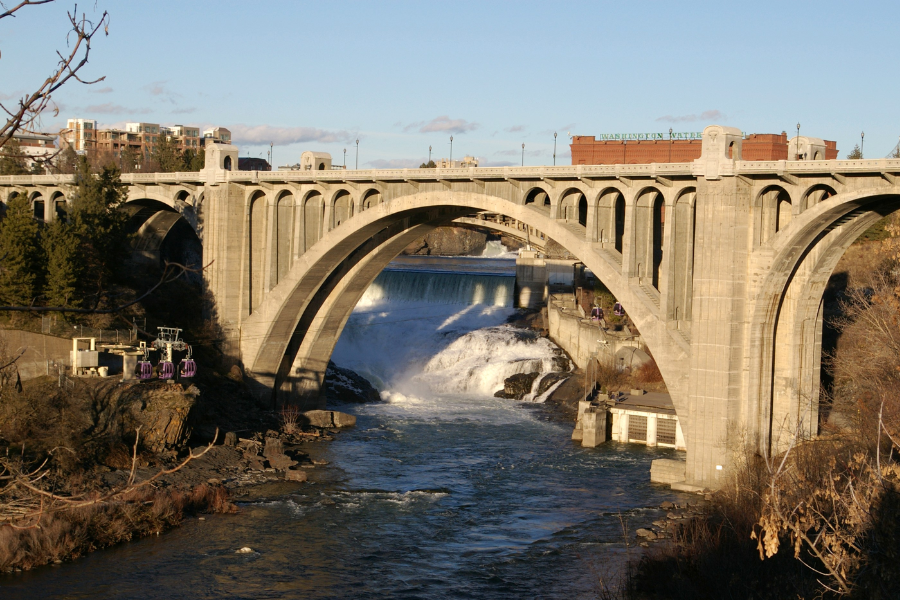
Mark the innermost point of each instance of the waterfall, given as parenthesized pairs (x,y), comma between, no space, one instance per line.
(431,327)
(439,288)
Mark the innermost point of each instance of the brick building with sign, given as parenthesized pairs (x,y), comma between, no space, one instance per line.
(681,148)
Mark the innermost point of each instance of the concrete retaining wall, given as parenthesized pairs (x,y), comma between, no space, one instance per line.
(39,349)
(580,337)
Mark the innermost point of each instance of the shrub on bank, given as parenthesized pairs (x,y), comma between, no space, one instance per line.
(69,534)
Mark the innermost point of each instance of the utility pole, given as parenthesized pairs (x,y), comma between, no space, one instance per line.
(271,155)
(670,144)
(554,148)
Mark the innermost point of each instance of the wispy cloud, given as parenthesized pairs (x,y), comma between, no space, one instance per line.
(185,110)
(103,90)
(443,124)
(157,88)
(264,134)
(16,94)
(396,163)
(514,129)
(115,109)
(706,115)
(561,130)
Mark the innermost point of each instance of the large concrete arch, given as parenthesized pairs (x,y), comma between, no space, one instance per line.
(786,313)
(270,334)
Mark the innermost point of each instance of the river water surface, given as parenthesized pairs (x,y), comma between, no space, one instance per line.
(441,490)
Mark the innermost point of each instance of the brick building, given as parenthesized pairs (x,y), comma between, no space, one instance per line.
(587,150)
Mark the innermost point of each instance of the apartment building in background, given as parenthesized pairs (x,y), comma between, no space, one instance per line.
(80,135)
(83,135)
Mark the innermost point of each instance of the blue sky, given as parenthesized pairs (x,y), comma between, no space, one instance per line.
(400,76)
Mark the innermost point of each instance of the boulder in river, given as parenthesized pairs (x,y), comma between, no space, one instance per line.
(329,418)
(515,387)
(345,385)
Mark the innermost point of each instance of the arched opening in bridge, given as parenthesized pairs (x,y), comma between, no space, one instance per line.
(313,218)
(682,264)
(774,212)
(284,236)
(649,220)
(816,194)
(227,163)
(37,206)
(321,166)
(369,199)
(620,223)
(610,216)
(538,199)
(343,207)
(256,240)
(159,233)
(573,207)
(59,208)
(789,318)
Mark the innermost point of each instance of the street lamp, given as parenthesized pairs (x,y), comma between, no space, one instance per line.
(797,148)
(356,168)
(429,154)
(670,144)
(451,151)
(554,148)
(862,141)
(345,159)
(271,154)
(523,154)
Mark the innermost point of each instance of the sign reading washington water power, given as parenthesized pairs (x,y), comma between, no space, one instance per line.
(690,135)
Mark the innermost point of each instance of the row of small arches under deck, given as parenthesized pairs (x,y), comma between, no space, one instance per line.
(297,223)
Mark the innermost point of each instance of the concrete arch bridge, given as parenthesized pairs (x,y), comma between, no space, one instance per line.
(721,263)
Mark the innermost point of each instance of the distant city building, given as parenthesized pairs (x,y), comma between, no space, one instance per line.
(249,163)
(587,150)
(217,135)
(445,163)
(36,146)
(83,135)
(79,134)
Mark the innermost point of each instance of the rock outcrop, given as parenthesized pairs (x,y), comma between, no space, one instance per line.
(345,385)
(450,241)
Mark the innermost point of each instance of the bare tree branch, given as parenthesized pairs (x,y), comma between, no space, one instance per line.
(31,106)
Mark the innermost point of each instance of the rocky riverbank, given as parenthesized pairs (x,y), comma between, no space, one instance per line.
(101,485)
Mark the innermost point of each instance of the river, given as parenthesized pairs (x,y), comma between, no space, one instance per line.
(441,490)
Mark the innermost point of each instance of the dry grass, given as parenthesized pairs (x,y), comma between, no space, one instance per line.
(70,534)
(289,416)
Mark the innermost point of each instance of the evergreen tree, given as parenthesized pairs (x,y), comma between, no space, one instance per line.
(855,154)
(19,254)
(166,156)
(62,249)
(194,161)
(130,158)
(97,222)
(12,162)
(67,161)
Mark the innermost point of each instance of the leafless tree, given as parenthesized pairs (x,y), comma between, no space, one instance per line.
(30,106)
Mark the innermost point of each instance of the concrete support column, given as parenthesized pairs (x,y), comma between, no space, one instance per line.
(717,341)
(591,224)
(651,429)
